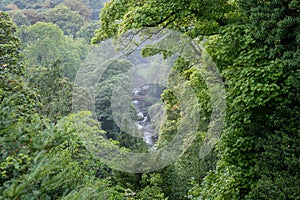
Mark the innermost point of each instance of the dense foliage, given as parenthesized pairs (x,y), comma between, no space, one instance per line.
(257,50)
(42,159)
(259,145)
(43,44)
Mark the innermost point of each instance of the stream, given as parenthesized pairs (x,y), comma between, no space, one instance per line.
(146,100)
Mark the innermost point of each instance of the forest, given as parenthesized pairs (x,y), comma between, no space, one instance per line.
(150,100)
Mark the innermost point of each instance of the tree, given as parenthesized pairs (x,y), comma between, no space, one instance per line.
(81,7)
(10,56)
(69,21)
(14,94)
(30,4)
(263,105)
(87,31)
(194,17)
(96,6)
(40,159)
(56,164)
(19,18)
(45,43)
(18,104)
(33,16)
(116,19)
(55,91)
(256,49)
(108,83)
(42,43)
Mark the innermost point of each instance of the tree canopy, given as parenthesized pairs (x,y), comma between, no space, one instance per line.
(255,45)
(46,57)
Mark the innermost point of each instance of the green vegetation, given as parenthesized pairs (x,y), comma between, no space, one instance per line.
(43,44)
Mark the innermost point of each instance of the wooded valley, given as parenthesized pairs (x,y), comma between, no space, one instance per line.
(67,126)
